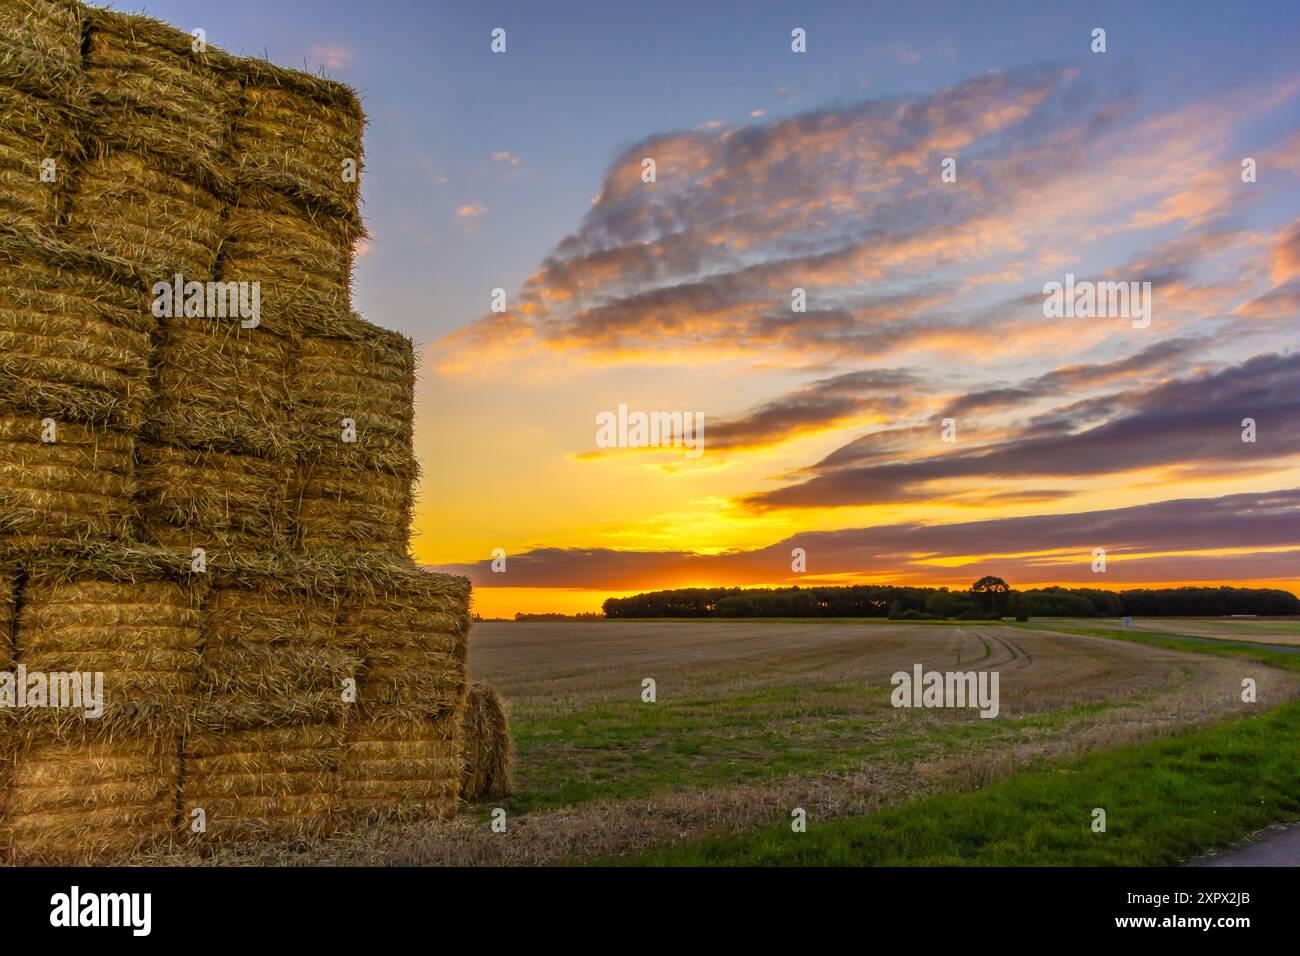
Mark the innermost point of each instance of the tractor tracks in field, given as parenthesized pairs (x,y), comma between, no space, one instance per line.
(1000,650)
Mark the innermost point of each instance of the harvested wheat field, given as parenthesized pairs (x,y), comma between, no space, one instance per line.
(754,718)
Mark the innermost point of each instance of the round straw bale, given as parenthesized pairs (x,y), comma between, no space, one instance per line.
(303,261)
(74,337)
(78,486)
(340,502)
(296,131)
(214,500)
(40,45)
(273,656)
(415,644)
(400,769)
(126,205)
(148,81)
(277,783)
(368,377)
(139,629)
(222,386)
(486,747)
(89,801)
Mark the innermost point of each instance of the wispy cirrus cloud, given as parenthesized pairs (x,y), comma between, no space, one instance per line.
(1180,423)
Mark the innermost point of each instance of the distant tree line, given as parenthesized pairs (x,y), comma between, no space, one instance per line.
(989,597)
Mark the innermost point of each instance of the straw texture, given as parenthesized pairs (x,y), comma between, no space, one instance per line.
(81,801)
(77,487)
(212,500)
(142,635)
(401,769)
(268,783)
(74,338)
(487,750)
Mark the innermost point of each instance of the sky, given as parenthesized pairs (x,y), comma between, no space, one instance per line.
(923,419)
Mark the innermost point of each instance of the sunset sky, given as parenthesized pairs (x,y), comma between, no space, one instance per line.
(821,171)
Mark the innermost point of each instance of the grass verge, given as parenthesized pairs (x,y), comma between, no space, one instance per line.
(1220,647)
(1165,802)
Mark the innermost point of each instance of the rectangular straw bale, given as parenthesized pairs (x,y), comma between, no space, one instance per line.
(302,259)
(414,636)
(340,501)
(40,45)
(295,131)
(401,769)
(90,800)
(77,487)
(275,782)
(152,90)
(196,498)
(222,386)
(35,132)
(129,205)
(273,656)
(74,333)
(142,635)
(368,376)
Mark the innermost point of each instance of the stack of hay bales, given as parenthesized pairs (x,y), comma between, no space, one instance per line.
(212,515)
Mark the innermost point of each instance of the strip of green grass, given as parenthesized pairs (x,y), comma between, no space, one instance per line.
(1165,802)
(1282,659)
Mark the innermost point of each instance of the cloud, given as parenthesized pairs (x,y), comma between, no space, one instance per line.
(1183,423)
(331,57)
(848,205)
(1140,366)
(1286,255)
(1233,537)
(469,216)
(822,404)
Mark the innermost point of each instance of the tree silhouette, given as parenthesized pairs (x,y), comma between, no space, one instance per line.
(993,587)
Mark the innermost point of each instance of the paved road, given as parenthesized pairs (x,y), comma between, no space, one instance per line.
(1277,846)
